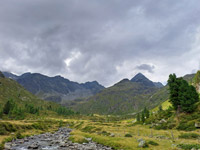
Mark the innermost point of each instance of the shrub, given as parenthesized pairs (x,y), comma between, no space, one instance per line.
(189,136)
(6,127)
(60,123)
(128,135)
(3,131)
(186,126)
(40,126)
(105,133)
(189,146)
(19,135)
(153,143)
(88,129)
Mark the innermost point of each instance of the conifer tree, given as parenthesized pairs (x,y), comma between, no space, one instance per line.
(7,107)
(182,95)
(138,117)
(143,117)
(160,109)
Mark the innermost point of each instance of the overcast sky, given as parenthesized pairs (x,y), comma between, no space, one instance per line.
(103,40)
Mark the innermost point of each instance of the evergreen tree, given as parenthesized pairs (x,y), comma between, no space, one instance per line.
(182,95)
(160,109)
(1,113)
(8,106)
(146,112)
(143,117)
(138,117)
(174,84)
(188,100)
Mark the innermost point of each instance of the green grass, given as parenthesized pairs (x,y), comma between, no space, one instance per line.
(165,105)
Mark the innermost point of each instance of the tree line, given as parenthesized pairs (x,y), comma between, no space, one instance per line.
(16,111)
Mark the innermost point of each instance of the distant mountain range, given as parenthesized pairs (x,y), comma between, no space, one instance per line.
(126,96)
(57,89)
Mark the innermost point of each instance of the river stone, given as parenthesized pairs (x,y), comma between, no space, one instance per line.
(53,141)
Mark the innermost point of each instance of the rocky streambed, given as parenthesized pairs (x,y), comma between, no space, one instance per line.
(53,141)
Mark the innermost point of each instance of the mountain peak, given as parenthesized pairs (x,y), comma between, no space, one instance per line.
(140,78)
(139,75)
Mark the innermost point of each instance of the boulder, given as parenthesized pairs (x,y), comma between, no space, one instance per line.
(142,143)
(33,146)
(7,146)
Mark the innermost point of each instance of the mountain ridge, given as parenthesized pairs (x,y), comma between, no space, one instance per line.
(57,88)
(126,96)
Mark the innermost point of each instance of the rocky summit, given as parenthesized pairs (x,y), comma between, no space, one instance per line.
(53,141)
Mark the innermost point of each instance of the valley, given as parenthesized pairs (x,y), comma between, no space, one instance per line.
(33,123)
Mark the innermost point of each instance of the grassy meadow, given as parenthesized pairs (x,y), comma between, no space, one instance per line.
(117,134)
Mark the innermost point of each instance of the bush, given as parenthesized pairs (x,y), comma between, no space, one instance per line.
(128,135)
(6,127)
(189,136)
(153,143)
(88,129)
(19,135)
(189,146)
(105,133)
(164,126)
(186,126)
(40,126)
(3,131)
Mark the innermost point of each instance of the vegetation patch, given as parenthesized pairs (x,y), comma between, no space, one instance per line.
(128,135)
(189,136)
(89,129)
(188,146)
(153,143)
(105,133)
(186,126)
(78,139)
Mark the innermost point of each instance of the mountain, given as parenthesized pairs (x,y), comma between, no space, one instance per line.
(126,96)
(140,78)
(158,84)
(24,102)
(10,75)
(57,89)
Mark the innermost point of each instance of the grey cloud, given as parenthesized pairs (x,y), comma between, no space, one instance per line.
(98,37)
(146,67)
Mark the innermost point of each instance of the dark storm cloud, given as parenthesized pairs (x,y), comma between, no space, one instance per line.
(99,39)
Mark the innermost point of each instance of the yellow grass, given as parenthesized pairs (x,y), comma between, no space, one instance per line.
(165,105)
(119,129)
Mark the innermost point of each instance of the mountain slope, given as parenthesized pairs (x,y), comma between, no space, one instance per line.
(11,90)
(57,89)
(127,96)
(163,93)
